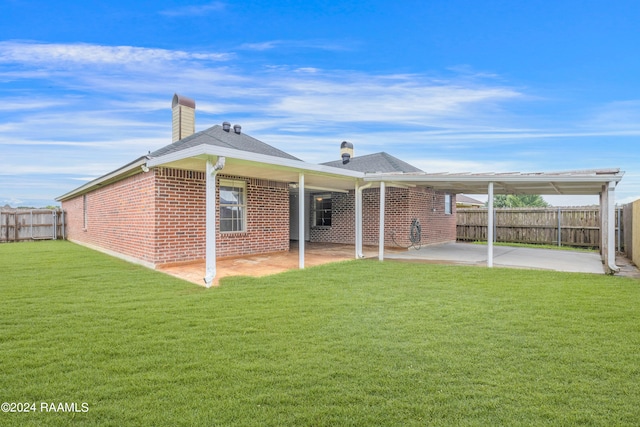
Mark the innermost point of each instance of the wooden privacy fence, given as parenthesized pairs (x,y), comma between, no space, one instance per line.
(631,227)
(31,224)
(565,226)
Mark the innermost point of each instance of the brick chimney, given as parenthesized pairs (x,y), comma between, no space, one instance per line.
(183,117)
(346,151)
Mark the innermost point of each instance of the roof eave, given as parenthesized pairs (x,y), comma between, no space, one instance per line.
(542,177)
(203,151)
(118,174)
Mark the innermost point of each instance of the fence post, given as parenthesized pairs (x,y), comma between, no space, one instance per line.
(559,227)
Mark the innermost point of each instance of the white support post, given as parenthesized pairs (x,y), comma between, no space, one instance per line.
(490,227)
(359,218)
(210,224)
(301,222)
(358,221)
(610,226)
(381,230)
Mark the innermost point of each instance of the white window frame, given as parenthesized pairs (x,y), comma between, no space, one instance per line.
(85,213)
(322,196)
(448,206)
(233,213)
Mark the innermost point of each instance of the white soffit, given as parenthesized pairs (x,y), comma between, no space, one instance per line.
(571,182)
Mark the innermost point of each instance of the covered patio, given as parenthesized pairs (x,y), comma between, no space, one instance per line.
(446,253)
(267,264)
(304,177)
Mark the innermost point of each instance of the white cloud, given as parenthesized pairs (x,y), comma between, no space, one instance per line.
(120,108)
(620,117)
(194,10)
(296,44)
(55,54)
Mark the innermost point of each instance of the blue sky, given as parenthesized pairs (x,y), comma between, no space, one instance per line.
(447,85)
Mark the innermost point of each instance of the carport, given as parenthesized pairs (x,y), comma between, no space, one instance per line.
(305,177)
(587,182)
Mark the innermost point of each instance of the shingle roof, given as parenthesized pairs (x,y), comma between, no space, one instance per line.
(375,163)
(462,198)
(216,136)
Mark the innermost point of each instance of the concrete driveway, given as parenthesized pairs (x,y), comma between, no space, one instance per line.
(504,256)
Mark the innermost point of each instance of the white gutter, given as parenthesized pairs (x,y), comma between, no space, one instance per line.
(507,178)
(608,237)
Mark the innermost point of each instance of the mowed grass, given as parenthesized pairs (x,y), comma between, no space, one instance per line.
(355,343)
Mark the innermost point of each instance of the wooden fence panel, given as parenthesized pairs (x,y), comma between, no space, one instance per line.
(549,226)
(635,238)
(31,224)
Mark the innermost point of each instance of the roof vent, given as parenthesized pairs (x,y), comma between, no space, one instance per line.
(226,126)
(237,129)
(346,151)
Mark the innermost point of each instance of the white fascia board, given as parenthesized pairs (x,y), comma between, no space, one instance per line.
(126,170)
(503,178)
(208,150)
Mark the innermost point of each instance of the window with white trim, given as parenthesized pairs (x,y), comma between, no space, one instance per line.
(322,210)
(447,204)
(233,206)
(85,217)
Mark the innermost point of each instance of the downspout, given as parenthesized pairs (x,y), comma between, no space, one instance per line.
(54,219)
(610,257)
(490,227)
(63,219)
(359,190)
(210,223)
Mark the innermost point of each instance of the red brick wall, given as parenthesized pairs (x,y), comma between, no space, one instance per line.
(180,215)
(120,217)
(401,207)
(267,220)
(159,217)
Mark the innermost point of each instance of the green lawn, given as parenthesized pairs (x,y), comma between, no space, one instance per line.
(357,343)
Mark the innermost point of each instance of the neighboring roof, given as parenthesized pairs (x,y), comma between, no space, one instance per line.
(375,163)
(216,136)
(466,200)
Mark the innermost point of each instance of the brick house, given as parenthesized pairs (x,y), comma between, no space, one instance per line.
(222,193)
(154,210)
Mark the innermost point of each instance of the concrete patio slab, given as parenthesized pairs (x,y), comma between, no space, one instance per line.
(446,253)
(506,256)
(266,264)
